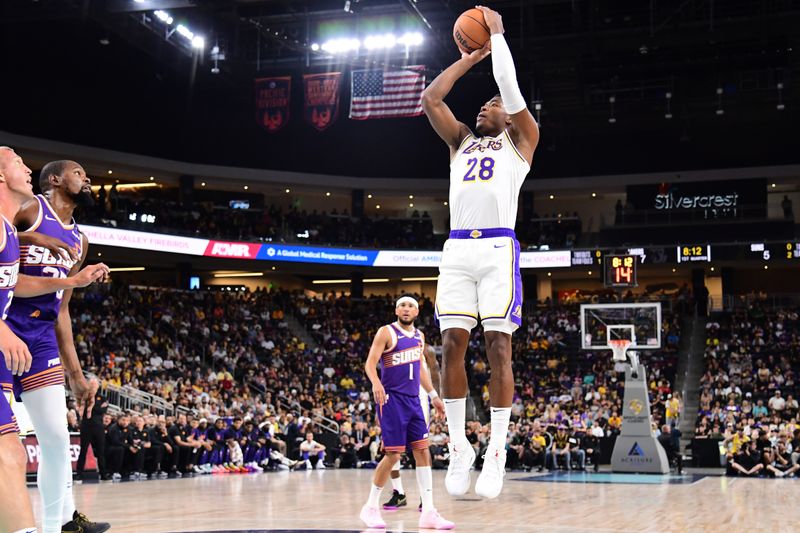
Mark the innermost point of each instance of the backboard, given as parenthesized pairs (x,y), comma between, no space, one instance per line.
(643,319)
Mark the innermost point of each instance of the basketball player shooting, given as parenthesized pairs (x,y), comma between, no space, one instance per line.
(398,347)
(479,273)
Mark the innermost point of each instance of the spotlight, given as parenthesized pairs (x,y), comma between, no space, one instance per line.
(163,16)
(315,47)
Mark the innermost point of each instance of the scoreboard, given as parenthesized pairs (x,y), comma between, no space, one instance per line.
(620,271)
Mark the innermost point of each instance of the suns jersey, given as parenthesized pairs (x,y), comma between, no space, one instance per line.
(9,266)
(400,364)
(38,261)
(486,174)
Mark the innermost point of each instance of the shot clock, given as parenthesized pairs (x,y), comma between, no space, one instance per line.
(620,271)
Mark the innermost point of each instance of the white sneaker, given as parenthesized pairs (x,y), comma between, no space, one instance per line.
(321,465)
(490,481)
(457,480)
(308,465)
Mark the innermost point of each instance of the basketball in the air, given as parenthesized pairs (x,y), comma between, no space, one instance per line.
(470,31)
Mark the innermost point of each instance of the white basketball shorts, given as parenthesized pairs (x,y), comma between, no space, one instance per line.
(479,279)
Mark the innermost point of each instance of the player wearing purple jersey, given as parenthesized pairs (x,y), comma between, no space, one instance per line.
(15,187)
(45,324)
(399,347)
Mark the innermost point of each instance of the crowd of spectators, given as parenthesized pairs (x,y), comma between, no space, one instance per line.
(749,390)
(230,360)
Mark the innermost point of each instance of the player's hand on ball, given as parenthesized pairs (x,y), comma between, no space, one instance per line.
(438,405)
(478,55)
(492,19)
(379,394)
(90,274)
(16,353)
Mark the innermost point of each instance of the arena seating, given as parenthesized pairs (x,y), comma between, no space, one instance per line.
(749,387)
(229,354)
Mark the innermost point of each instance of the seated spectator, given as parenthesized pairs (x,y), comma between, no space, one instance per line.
(310,448)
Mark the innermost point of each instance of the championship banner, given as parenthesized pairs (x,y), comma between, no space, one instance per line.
(272,102)
(321,99)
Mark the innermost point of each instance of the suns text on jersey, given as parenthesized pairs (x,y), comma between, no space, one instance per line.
(42,256)
(407,356)
(9,275)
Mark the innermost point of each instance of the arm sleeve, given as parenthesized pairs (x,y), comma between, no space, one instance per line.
(505,75)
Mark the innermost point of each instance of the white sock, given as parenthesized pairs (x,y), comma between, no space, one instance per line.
(48,412)
(374,496)
(425,482)
(397,482)
(68,508)
(501,416)
(456,411)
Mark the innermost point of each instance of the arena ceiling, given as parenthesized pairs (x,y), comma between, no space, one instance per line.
(105,73)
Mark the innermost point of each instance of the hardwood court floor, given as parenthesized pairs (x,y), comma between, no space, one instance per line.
(330,500)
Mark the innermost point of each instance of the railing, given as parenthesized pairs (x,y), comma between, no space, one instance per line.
(645,217)
(734,302)
(326,423)
(124,398)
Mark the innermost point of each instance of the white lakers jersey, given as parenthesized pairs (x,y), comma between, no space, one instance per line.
(486,174)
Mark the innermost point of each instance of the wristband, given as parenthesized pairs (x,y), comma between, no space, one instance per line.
(433,394)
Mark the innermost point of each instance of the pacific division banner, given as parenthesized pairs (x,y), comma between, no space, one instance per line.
(272,102)
(321,99)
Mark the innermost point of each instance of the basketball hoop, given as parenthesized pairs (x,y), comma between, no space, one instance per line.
(619,347)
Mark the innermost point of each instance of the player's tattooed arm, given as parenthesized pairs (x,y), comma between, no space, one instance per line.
(380,343)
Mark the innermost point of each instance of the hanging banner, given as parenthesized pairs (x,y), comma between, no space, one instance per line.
(321,99)
(272,102)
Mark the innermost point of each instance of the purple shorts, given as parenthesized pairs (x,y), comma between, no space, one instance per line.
(40,336)
(402,423)
(8,422)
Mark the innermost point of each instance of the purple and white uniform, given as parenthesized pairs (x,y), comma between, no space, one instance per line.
(33,319)
(9,272)
(402,421)
(479,275)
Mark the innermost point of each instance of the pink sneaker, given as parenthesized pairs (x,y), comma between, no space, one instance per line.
(372,517)
(433,520)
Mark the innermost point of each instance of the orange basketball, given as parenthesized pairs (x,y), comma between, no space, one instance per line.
(470,31)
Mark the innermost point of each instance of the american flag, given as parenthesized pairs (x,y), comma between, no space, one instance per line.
(387,93)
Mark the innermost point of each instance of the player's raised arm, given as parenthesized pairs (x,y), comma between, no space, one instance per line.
(441,118)
(381,341)
(524,130)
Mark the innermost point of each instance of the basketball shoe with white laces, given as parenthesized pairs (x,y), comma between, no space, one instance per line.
(490,480)
(433,520)
(372,517)
(457,480)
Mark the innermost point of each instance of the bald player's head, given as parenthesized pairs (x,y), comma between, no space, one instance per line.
(69,179)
